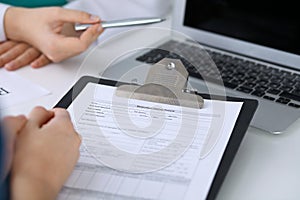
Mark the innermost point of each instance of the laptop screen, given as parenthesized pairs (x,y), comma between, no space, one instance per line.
(270,23)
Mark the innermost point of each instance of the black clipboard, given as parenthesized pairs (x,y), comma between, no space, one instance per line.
(243,121)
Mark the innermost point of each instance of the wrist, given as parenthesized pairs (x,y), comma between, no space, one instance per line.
(13,23)
(31,188)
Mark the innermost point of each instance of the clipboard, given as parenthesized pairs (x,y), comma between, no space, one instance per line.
(243,121)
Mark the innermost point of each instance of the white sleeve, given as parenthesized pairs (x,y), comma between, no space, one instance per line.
(120,9)
(3,8)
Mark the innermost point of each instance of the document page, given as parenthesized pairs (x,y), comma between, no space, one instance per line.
(134,149)
(14,89)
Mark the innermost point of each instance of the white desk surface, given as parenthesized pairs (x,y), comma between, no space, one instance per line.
(265,167)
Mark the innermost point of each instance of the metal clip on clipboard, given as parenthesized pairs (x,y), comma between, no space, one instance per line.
(165,83)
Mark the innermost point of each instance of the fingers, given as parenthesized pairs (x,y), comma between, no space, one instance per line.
(62,116)
(61,113)
(75,45)
(13,53)
(68,15)
(16,55)
(4,46)
(41,61)
(24,59)
(39,116)
(91,34)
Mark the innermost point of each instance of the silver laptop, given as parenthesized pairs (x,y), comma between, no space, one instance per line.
(254,44)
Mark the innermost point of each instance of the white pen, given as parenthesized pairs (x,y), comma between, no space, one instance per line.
(120,23)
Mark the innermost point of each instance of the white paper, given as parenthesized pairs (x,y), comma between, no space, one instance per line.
(14,89)
(99,174)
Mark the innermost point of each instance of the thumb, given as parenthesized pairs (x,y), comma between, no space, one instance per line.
(62,116)
(68,15)
(91,34)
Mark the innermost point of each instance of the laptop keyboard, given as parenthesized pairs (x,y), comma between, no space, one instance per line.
(242,75)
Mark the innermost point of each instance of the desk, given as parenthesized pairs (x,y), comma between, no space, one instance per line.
(265,167)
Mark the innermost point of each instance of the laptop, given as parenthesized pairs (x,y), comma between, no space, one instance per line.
(254,44)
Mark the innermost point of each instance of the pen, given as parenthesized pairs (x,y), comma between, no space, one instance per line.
(121,23)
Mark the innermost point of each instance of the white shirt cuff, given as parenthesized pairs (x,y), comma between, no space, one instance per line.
(3,8)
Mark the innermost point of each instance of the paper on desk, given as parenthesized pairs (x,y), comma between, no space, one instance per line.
(14,89)
(188,177)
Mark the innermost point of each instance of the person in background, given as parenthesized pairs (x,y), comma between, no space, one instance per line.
(20,25)
(38,152)
(15,54)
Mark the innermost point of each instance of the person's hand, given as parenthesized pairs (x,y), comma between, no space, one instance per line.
(41,27)
(14,55)
(46,150)
(13,125)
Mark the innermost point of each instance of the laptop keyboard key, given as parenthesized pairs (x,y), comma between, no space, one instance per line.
(296,92)
(283,100)
(286,88)
(294,105)
(262,82)
(289,76)
(274,85)
(269,98)
(249,85)
(251,79)
(258,93)
(244,89)
(230,85)
(261,88)
(287,82)
(273,91)
(290,96)
(297,78)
